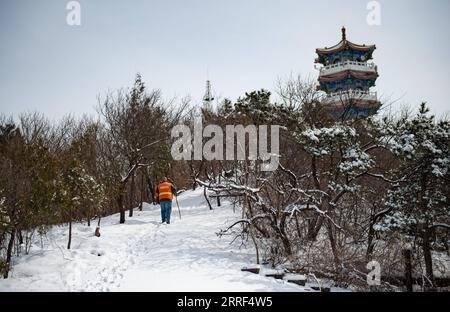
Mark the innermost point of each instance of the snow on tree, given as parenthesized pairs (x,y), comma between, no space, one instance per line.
(78,191)
(418,203)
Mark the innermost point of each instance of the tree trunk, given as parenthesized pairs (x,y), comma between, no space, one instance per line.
(427,255)
(121,208)
(70,232)
(207,199)
(9,252)
(218,200)
(332,238)
(152,190)
(131,203)
(218,197)
(315,227)
(281,234)
(20,237)
(408,270)
(141,204)
(370,244)
(297,226)
(256,245)
(286,245)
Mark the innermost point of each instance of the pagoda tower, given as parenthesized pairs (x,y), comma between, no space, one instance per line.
(346,77)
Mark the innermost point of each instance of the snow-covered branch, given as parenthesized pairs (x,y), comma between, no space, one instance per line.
(132,170)
(149,145)
(442,225)
(247,221)
(382,177)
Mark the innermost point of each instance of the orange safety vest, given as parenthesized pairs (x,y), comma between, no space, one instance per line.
(164,191)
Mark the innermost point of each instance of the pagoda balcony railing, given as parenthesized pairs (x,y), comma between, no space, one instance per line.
(343,96)
(348,65)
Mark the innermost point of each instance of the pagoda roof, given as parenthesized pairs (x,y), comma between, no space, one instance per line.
(353,73)
(345,44)
(355,103)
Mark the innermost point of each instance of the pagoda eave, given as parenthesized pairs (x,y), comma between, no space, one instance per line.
(352,103)
(352,109)
(345,44)
(349,73)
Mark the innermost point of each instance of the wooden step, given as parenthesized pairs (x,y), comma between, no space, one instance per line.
(298,279)
(254,270)
(323,289)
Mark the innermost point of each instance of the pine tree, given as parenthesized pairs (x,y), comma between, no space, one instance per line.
(419,202)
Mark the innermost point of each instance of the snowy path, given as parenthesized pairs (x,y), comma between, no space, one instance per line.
(187,255)
(143,255)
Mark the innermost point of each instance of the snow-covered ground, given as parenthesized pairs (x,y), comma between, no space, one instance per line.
(144,255)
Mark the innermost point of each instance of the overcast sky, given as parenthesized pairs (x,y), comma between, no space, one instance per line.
(49,66)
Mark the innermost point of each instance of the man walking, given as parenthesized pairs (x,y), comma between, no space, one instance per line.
(164,195)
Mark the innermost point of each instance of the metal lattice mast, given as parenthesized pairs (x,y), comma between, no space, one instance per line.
(208,98)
